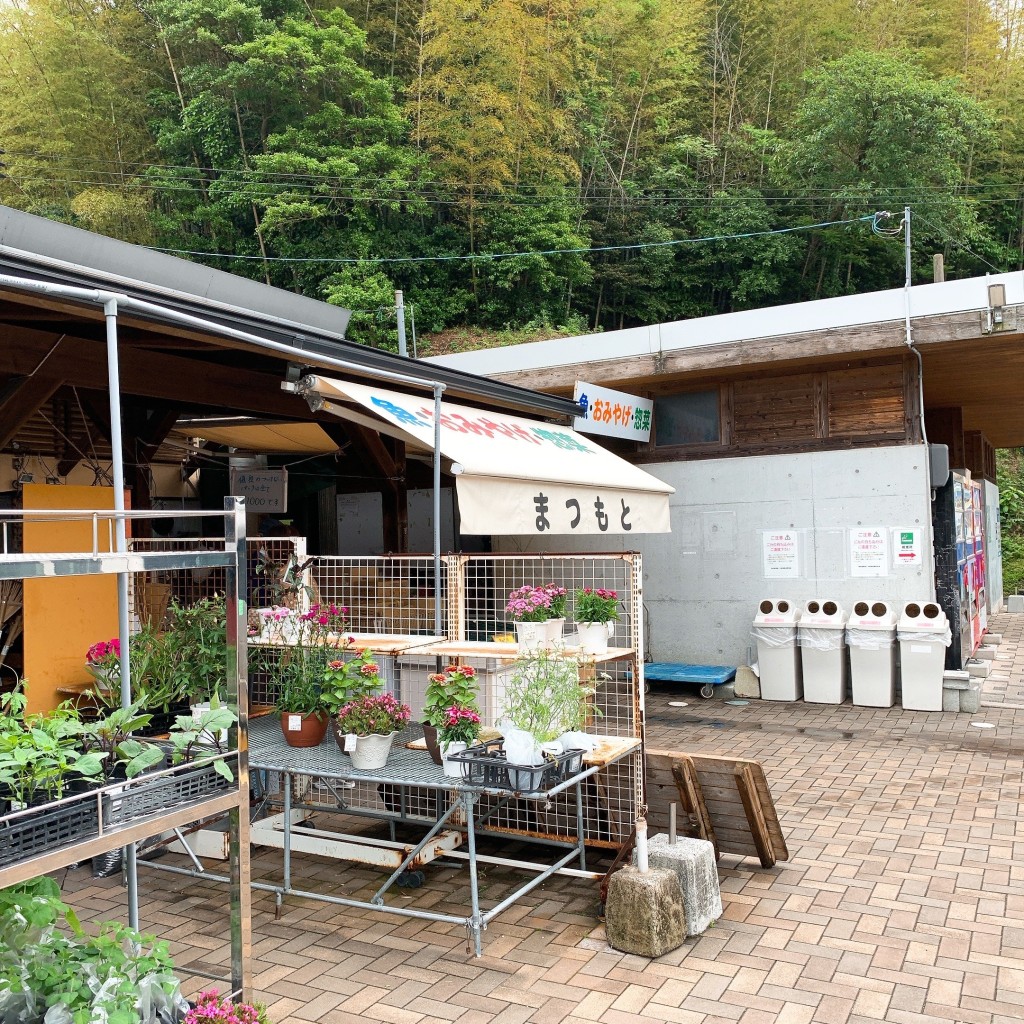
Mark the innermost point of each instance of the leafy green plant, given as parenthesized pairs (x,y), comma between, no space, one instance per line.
(91,978)
(198,646)
(192,736)
(38,755)
(544,696)
(348,681)
(110,738)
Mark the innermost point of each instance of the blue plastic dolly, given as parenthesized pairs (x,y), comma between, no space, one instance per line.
(706,676)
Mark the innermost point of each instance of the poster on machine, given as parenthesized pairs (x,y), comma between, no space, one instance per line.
(869,551)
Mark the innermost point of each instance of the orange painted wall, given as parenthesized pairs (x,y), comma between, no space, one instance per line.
(63,617)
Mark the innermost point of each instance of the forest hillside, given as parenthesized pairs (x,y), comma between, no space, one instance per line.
(522,166)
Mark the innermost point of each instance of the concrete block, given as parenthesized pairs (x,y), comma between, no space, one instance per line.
(644,913)
(979,668)
(1015,604)
(693,861)
(746,683)
(985,653)
(994,638)
(950,699)
(953,679)
(970,699)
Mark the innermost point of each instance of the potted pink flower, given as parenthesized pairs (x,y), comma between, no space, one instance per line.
(366,727)
(529,608)
(213,1008)
(460,727)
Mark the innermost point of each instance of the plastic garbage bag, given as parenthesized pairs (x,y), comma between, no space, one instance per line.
(160,999)
(816,638)
(577,741)
(774,636)
(520,747)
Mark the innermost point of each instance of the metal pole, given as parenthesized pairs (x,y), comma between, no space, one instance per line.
(121,544)
(412,325)
(238,697)
(400,310)
(438,389)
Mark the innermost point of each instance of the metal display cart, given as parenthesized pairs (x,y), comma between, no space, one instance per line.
(460,814)
(122,815)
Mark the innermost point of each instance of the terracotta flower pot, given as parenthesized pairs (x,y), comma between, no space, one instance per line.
(304,730)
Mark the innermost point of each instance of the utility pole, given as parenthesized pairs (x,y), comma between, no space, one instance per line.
(400,310)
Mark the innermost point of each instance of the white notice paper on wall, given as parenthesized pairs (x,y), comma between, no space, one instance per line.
(780,554)
(869,551)
(906,547)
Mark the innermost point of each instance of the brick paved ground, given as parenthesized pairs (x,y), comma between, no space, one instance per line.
(903,900)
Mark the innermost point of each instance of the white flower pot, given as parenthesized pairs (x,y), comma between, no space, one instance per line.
(553,631)
(593,637)
(453,769)
(531,636)
(371,751)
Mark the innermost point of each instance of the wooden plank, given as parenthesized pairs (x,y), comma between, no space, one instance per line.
(689,791)
(755,816)
(721,800)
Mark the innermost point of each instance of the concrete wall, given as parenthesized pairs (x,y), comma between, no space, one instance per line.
(702,582)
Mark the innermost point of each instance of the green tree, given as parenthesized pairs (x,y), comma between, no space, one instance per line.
(72,116)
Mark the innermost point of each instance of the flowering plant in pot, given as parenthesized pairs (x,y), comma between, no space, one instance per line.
(595,610)
(213,1008)
(460,727)
(347,681)
(529,607)
(455,686)
(367,726)
(556,611)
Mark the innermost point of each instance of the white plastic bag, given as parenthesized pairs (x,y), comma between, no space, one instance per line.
(520,747)
(577,741)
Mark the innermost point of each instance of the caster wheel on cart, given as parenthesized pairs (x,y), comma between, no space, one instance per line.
(707,690)
(410,879)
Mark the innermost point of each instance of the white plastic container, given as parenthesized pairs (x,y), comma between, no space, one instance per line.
(923,633)
(778,657)
(821,636)
(871,638)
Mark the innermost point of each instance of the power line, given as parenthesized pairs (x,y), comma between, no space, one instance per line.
(873,217)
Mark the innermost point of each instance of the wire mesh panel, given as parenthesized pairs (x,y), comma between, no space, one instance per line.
(389,595)
(267,560)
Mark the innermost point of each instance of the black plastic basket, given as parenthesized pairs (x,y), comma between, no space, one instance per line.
(144,796)
(47,827)
(487,766)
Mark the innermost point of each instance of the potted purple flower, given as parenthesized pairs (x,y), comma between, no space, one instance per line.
(529,608)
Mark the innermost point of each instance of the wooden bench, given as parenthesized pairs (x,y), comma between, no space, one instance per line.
(724,800)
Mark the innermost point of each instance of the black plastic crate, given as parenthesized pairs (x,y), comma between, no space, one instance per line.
(144,796)
(47,828)
(487,766)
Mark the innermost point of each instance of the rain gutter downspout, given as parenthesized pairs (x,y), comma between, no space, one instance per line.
(909,334)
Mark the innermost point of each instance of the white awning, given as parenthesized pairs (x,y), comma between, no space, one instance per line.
(513,475)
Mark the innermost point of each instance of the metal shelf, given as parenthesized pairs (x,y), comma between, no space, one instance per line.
(233,801)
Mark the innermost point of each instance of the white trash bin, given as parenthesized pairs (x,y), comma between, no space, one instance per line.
(822,639)
(871,637)
(778,657)
(923,633)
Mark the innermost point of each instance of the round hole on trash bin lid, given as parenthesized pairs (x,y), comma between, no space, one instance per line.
(931,611)
(983,725)
(783,606)
(678,704)
(766,607)
(860,608)
(829,608)
(812,607)
(913,610)
(878,609)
